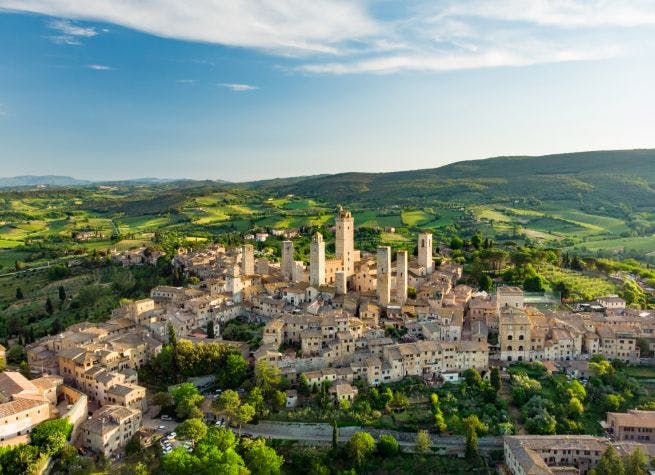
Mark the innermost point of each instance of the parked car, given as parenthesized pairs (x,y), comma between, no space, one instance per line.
(165,417)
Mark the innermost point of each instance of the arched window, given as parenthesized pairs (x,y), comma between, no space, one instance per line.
(509,337)
(520,337)
(509,348)
(520,348)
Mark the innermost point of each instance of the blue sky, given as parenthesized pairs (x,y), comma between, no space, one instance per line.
(103,89)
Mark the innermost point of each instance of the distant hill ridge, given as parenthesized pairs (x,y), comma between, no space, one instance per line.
(598,179)
(620,176)
(59,180)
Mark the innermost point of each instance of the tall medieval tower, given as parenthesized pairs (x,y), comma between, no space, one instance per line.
(317,260)
(384,275)
(425,252)
(287,260)
(345,240)
(247,259)
(401,276)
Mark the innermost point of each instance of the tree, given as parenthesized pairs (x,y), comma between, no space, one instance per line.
(278,400)
(476,240)
(485,282)
(613,402)
(495,379)
(576,390)
(360,446)
(49,308)
(303,385)
(19,460)
(636,463)
(472,425)
(267,376)
(609,464)
(439,421)
(163,399)
(575,408)
(335,434)
(16,354)
(422,442)
(233,372)
(227,403)
(19,293)
(140,469)
(51,436)
(210,329)
(473,378)
(133,446)
(534,283)
(456,243)
(388,445)
(192,429)
(62,293)
(244,414)
(411,292)
(542,424)
(186,398)
(260,458)
(256,399)
(400,401)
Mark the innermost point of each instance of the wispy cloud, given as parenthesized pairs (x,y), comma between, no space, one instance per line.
(3,111)
(354,36)
(70,33)
(292,27)
(188,82)
(99,67)
(238,87)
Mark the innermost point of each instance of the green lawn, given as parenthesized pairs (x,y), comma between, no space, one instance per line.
(644,245)
(373,219)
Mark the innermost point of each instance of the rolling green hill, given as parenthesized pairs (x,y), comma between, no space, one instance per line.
(593,202)
(603,179)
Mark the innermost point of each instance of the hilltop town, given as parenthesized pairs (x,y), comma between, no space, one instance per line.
(357,319)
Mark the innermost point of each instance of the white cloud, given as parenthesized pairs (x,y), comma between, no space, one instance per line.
(69,32)
(451,62)
(189,82)
(346,36)
(563,13)
(238,87)
(99,67)
(3,112)
(283,26)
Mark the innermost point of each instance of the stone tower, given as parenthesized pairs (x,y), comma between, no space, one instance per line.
(345,240)
(384,275)
(287,263)
(317,260)
(248,259)
(425,252)
(401,276)
(340,282)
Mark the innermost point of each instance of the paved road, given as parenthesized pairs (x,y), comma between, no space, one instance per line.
(323,433)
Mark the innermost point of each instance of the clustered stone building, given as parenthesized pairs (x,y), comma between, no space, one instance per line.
(328,321)
(562,454)
(25,403)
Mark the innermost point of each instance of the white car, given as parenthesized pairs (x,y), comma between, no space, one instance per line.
(161,428)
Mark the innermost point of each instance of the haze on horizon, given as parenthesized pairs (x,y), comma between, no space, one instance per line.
(275,88)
